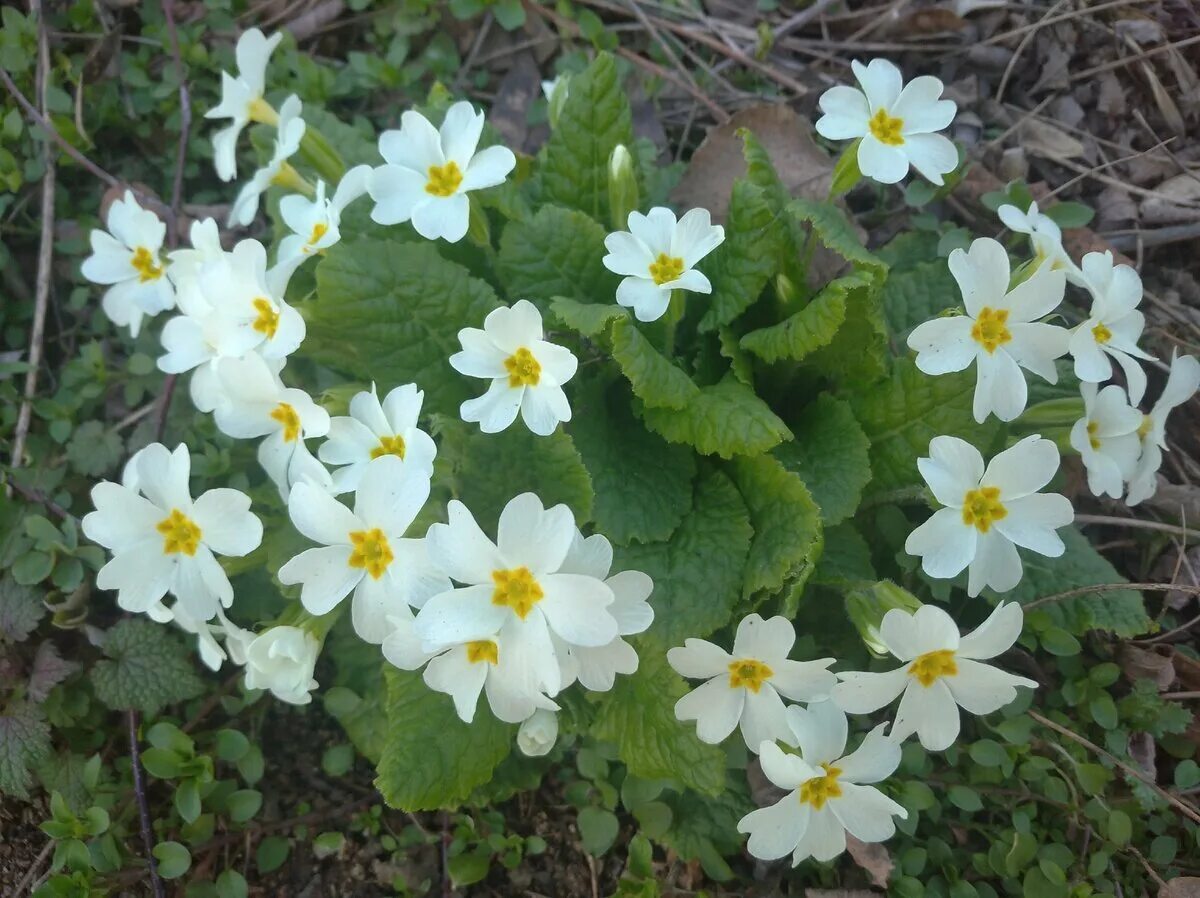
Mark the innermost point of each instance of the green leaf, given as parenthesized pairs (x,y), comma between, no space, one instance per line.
(1119,611)
(904,413)
(598,829)
(24,744)
(638,716)
(807,330)
(787,525)
(20,610)
(726,419)
(32,567)
(836,232)
(593,120)
(147,667)
(1070,215)
(846,173)
(1120,827)
(589,319)
(470,867)
(858,356)
(187,800)
(272,852)
(830,452)
(431,759)
(390,313)
(490,469)
(704,828)
(697,573)
(173,859)
(965,798)
(846,558)
(232,884)
(655,379)
(243,804)
(740,267)
(557,252)
(643,484)
(917,294)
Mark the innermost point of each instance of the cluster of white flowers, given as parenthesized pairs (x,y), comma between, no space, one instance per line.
(830,793)
(521,617)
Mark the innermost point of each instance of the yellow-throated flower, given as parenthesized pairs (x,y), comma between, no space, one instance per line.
(242,98)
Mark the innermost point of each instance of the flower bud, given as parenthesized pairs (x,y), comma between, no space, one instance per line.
(622,186)
(282,659)
(538,733)
(868,605)
(556,92)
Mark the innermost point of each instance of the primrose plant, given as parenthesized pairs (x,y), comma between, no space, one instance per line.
(546,437)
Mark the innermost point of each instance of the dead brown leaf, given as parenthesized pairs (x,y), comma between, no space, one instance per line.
(1181,887)
(1154,664)
(1048,141)
(930,20)
(873,857)
(519,87)
(1174,200)
(841,893)
(1187,669)
(1143,751)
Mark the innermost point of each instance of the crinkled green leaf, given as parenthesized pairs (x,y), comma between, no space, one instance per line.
(787,525)
(147,668)
(490,469)
(741,266)
(49,669)
(638,715)
(725,419)
(431,759)
(594,119)
(643,484)
(741,365)
(846,559)
(391,313)
(557,252)
(830,453)
(587,318)
(1119,611)
(655,379)
(697,573)
(918,294)
(836,232)
(804,331)
(20,610)
(858,355)
(901,415)
(704,828)
(24,743)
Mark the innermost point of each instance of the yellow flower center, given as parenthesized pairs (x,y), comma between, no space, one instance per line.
(291,179)
(267,321)
(666,268)
(1101,333)
(320,229)
(287,417)
(523,369)
(990,328)
(371,551)
(393,445)
(145,265)
(1144,428)
(1092,438)
(927,669)
(887,129)
(261,111)
(180,533)
(444,179)
(748,673)
(983,506)
(483,650)
(820,789)
(517,589)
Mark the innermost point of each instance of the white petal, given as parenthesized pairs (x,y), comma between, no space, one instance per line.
(648,300)
(944,543)
(805,681)
(453,674)
(460,132)
(846,113)
(874,760)
(775,831)
(496,409)
(397,192)
(996,565)
(626,255)
(1036,297)
(1031,522)
(528,665)
(1036,346)
(533,536)
(226,523)
(995,635)
(866,812)
(325,575)
(881,82)
(321,517)
(122,518)
(952,469)
(982,274)
(1023,468)
(764,640)
(695,237)
(715,707)
(783,769)
(655,229)
(764,718)
(489,168)
(824,839)
(390,495)
(930,712)
(820,731)
(458,616)
(699,659)
(932,155)
(444,217)
(575,605)
(461,549)
(929,629)
(881,162)
(376,602)
(944,344)
(141,575)
(919,106)
(543,407)
(1001,388)
(861,692)
(981,688)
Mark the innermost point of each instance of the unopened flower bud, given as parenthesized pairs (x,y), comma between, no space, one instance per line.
(622,186)
(867,607)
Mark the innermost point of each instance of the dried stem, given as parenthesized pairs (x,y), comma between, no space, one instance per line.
(185,124)
(139,789)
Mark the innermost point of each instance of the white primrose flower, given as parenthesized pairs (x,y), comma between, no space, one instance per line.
(894,121)
(427,174)
(255,403)
(1000,331)
(989,512)
(527,373)
(162,541)
(364,550)
(597,667)
(242,98)
(1182,384)
(538,733)
(376,428)
(1114,326)
(1045,237)
(493,666)
(746,689)
(1106,438)
(316,223)
(185,264)
(288,135)
(829,792)
(515,593)
(282,659)
(231,307)
(659,254)
(126,256)
(941,673)
(206,633)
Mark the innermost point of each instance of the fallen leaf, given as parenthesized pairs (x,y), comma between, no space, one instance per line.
(1154,664)
(873,857)
(846,893)
(1048,141)
(966,7)
(519,87)
(931,20)
(1143,752)
(1175,201)
(1181,887)
(1187,669)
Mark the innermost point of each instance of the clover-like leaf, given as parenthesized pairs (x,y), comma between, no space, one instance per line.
(147,667)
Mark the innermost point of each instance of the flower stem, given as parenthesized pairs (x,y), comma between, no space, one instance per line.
(320,154)
(671,321)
